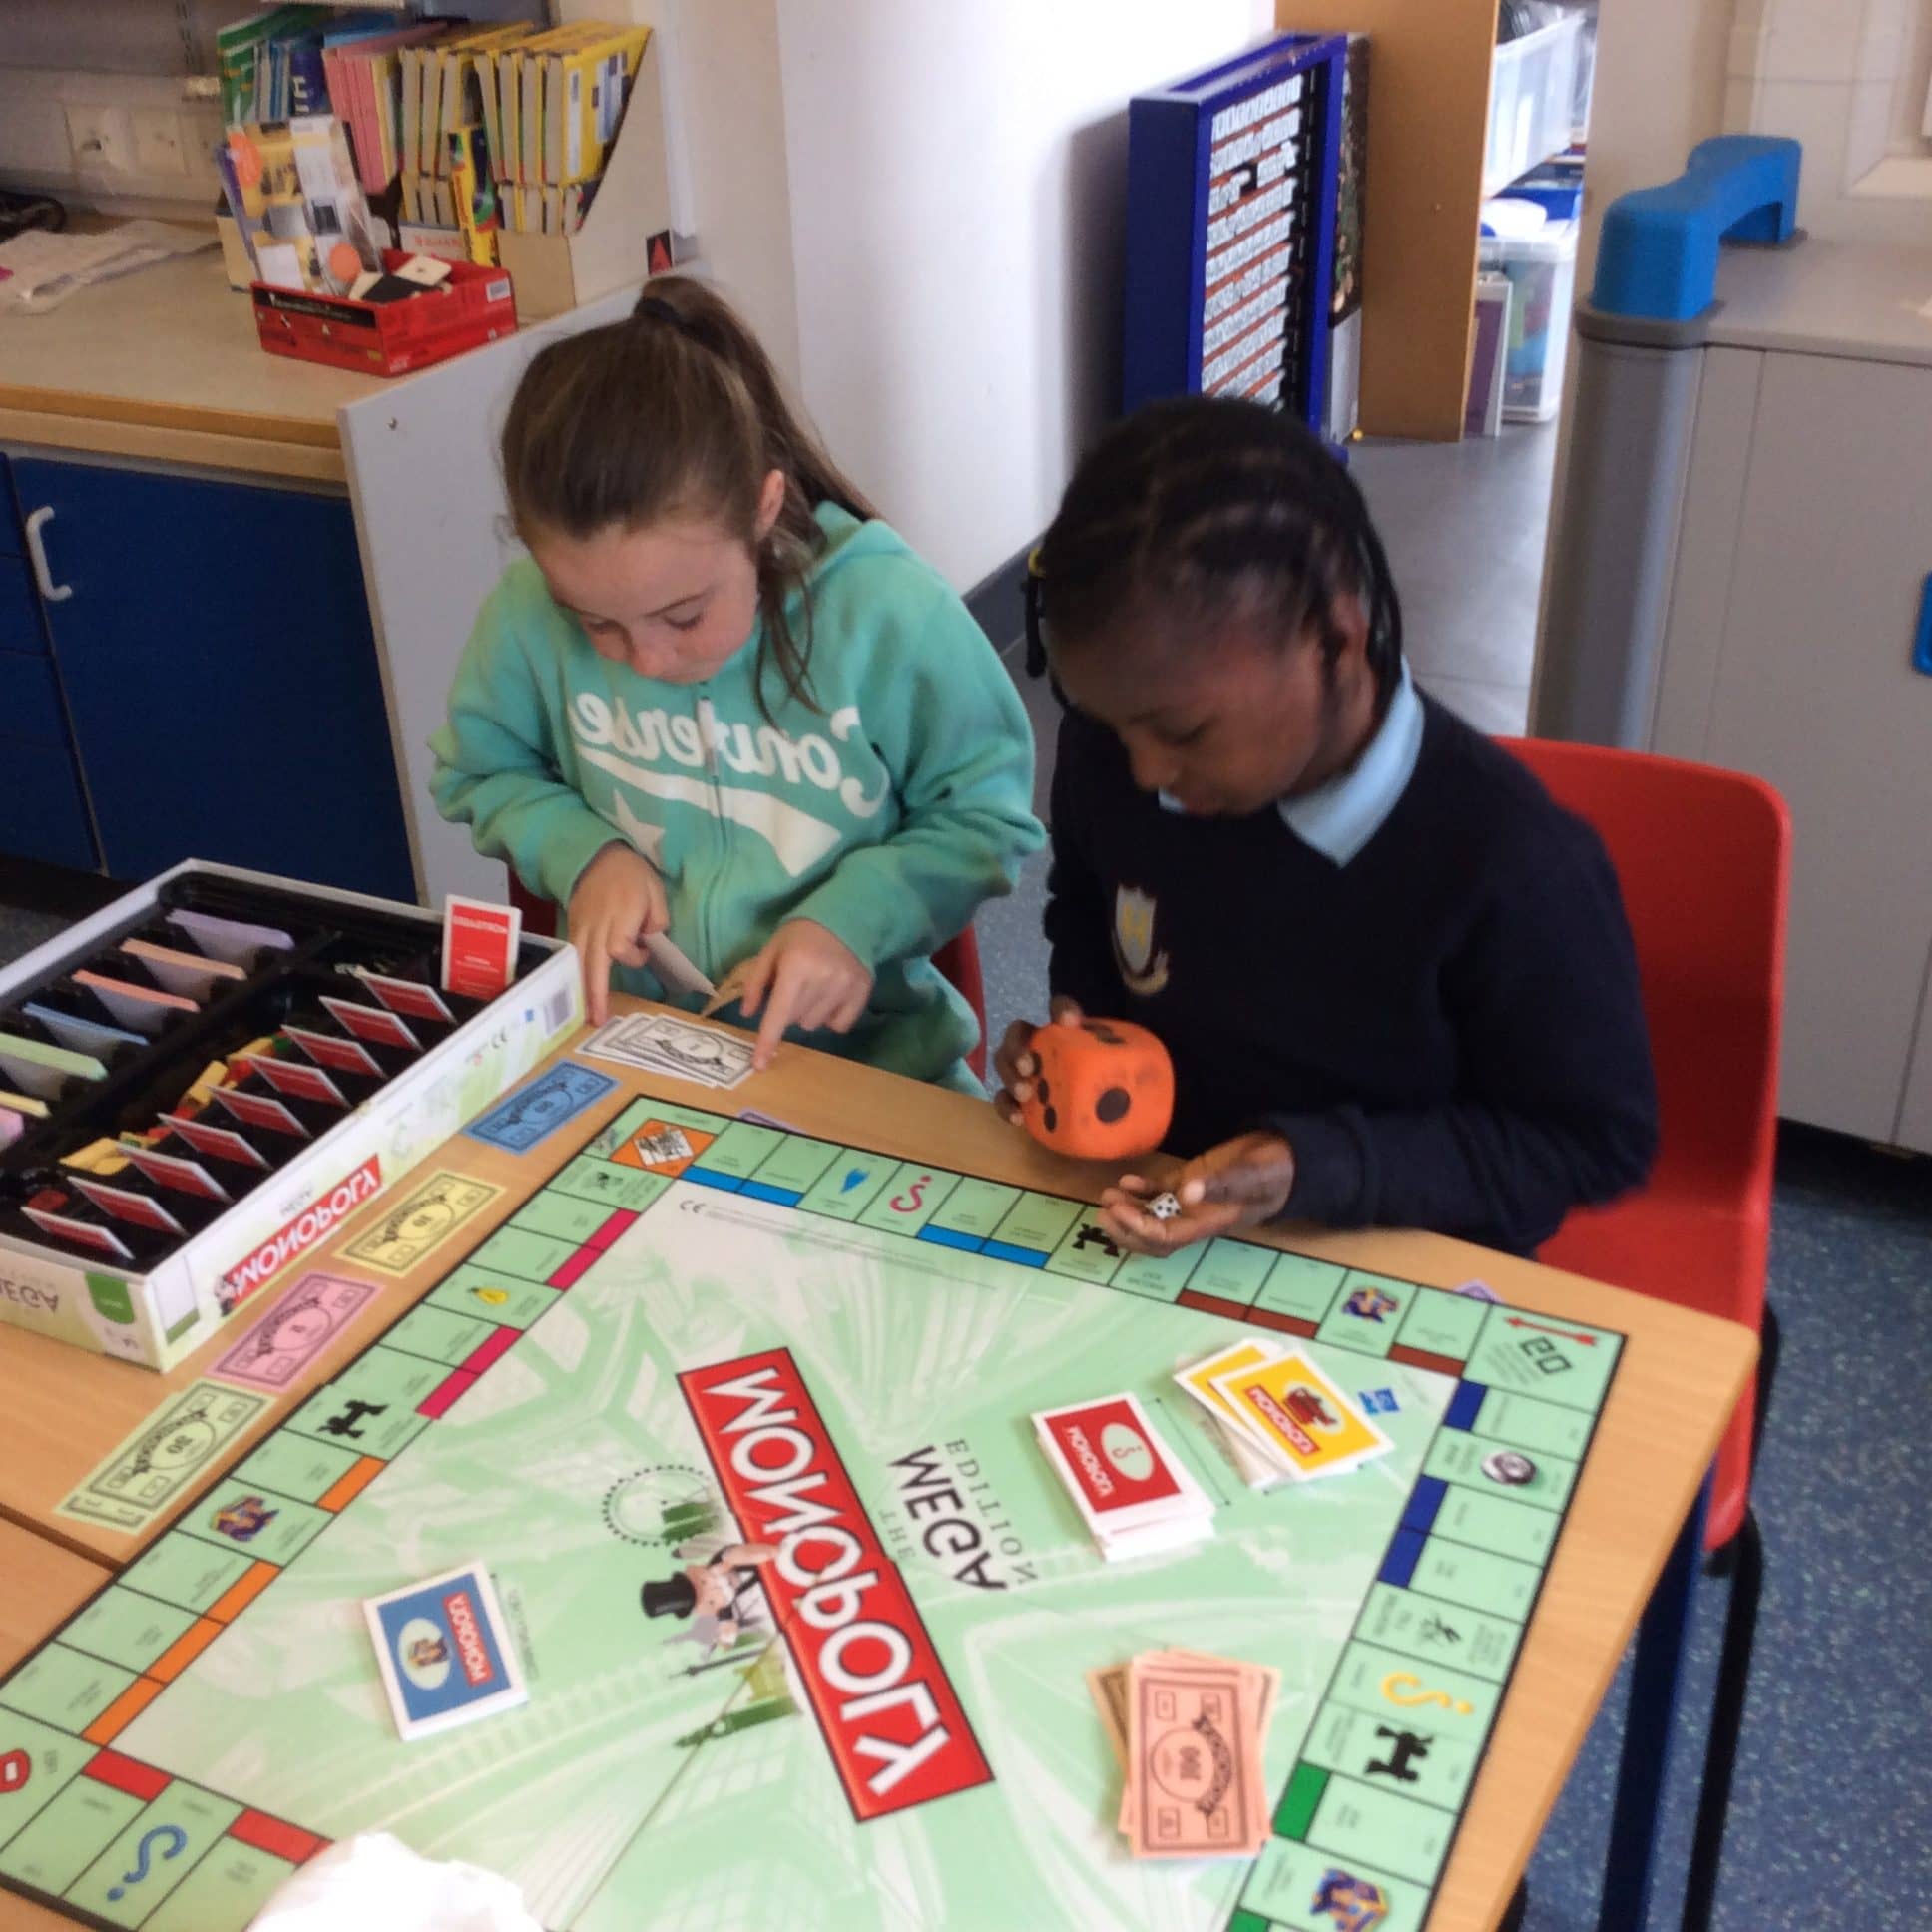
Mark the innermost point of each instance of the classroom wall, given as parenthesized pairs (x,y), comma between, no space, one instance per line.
(1849,79)
(956,176)
(725,132)
(1659,91)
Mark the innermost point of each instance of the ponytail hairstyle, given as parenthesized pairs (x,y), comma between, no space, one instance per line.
(676,411)
(1200,509)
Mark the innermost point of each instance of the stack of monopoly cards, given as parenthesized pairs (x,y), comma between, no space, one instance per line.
(1189,1732)
(444,1653)
(1281,1418)
(1131,1489)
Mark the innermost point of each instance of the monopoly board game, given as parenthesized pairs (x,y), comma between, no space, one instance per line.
(703,1334)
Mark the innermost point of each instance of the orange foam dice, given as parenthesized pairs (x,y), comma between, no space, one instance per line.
(1104,1090)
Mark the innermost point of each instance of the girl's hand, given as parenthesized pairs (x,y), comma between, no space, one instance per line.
(813,979)
(617,902)
(1239,1183)
(1014,1062)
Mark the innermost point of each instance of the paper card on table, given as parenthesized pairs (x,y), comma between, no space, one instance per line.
(340,1056)
(233,940)
(709,1056)
(160,1462)
(521,1119)
(83,1036)
(172,1170)
(409,997)
(293,1332)
(1192,1781)
(1119,1471)
(144,1211)
(375,1024)
(1300,1417)
(189,974)
(259,1110)
(296,1078)
(479,946)
(104,1241)
(145,1008)
(1258,1468)
(1108,1689)
(30,1106)
(444,1651)
(220,1143)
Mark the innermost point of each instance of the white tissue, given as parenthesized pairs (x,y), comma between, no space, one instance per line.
(375,1883)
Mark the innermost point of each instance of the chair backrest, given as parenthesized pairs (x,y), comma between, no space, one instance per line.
(1703,856)
(1703,859)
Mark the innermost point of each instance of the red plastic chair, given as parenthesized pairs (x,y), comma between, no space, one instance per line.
(957,960)
(1703,859)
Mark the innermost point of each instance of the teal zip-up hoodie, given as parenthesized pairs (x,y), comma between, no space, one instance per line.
(887,815)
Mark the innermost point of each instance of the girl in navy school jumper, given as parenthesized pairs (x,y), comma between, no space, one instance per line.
(1395,978)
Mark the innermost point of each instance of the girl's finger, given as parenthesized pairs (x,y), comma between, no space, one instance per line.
(754,981)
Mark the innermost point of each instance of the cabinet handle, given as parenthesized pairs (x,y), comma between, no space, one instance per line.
(54,594)
(1922,642)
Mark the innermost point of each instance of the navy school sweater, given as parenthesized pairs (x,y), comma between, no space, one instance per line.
(1447,1030)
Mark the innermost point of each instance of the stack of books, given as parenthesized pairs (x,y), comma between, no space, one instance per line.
(476,128)
(552,117)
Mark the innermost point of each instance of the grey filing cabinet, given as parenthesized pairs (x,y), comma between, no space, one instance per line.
(1740,576)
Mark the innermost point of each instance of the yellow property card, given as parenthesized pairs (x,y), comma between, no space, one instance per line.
(1302,1420)
(1259,1469)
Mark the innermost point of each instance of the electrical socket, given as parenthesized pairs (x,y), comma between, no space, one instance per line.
(158,148)
(101,139)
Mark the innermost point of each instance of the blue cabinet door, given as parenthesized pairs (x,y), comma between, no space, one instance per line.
(221,675)
(41,812)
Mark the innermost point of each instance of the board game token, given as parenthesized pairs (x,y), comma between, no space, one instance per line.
(1509,1466)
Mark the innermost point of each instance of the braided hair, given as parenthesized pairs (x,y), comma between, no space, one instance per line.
(1201,508)
(677,410)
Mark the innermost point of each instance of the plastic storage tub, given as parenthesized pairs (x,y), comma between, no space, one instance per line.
(1532,100)
(1543,276)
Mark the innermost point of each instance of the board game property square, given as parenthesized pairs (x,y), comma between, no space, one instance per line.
(787,1568)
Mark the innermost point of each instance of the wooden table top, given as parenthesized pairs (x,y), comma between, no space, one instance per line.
(1680,1375)
(166,363)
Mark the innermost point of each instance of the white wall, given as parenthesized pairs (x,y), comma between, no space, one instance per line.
(1659,90)
(956,176)
(1847,78)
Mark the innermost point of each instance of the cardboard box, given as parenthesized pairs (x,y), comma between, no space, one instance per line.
(157,1318)
(474,307)
(627,234)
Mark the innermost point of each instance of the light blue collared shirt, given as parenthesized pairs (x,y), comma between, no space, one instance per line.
(1339,817)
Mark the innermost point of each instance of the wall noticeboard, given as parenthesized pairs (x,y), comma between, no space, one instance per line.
(1231,228)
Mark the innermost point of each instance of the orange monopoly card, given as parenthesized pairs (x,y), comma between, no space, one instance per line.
(1300,1418)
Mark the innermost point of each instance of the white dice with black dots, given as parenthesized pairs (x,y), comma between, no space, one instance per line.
(1165,1206)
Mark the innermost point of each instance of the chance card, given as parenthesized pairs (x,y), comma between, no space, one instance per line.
(443,1652)
(1300,1417)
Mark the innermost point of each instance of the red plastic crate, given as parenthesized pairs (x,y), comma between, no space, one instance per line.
(475,305)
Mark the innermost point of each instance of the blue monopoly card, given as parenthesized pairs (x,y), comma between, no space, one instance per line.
(443,1650)
(520,1120)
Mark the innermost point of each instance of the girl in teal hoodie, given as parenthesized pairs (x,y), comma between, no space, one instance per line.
(719,699)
